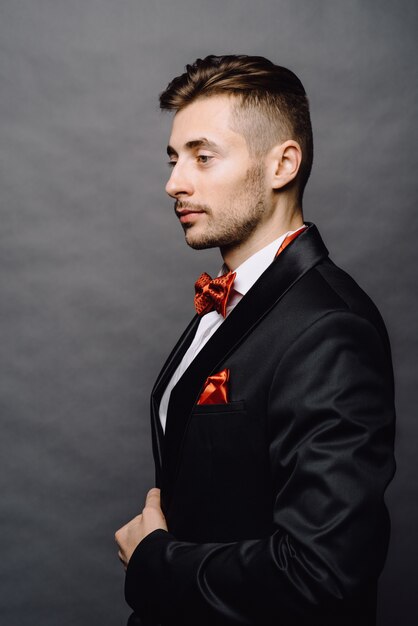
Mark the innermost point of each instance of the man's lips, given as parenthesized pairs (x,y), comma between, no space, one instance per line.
(185,215)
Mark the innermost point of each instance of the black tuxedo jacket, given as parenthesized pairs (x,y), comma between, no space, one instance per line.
(274,501)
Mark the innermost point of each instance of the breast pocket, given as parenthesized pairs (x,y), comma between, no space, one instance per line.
(230,432)
(223,430)
(211,409)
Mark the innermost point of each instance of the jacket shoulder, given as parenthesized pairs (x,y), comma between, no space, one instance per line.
(350,295)
(325,289)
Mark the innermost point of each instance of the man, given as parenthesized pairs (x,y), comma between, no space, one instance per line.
(273,417)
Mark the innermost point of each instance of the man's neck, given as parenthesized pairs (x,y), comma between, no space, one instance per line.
(235,255)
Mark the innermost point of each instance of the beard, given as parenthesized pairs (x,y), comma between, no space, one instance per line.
(238,219)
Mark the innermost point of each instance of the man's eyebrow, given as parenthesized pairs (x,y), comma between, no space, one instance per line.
(202,142)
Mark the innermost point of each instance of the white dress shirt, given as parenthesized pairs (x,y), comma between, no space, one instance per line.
(246,275)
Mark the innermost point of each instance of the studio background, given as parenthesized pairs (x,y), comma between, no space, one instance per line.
(97,283)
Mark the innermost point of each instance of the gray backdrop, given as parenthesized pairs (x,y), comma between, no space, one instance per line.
(89,242)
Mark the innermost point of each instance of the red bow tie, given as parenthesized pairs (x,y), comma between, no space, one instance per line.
(213,293)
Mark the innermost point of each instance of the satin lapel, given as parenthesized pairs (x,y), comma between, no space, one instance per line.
(167,371)
(298,258)
(174,358)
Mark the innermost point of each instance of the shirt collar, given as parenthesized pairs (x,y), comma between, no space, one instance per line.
(250,271)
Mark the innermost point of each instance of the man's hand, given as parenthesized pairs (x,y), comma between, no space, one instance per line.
(151,518)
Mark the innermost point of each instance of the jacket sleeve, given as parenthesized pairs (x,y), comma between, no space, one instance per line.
(331,428)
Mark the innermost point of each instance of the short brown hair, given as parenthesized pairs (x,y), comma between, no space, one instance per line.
(261,87)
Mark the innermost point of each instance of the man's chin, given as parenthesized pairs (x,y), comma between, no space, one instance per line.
(199,243)
(204,242)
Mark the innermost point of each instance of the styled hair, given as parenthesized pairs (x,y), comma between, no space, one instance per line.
(271,105)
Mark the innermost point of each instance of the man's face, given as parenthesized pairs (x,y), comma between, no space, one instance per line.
(219,190)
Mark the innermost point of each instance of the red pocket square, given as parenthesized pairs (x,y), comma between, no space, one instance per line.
(215,390)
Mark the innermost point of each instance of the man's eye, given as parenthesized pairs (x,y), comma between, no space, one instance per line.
(171,163)
(204,158)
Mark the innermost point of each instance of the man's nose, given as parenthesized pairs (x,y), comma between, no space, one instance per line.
(179,183)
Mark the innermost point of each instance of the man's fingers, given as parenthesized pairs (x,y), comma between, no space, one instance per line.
(130,536)
(118,535)
(122,559)
(153,498)
(121,534)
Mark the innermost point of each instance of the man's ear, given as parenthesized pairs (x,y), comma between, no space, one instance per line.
(283,163)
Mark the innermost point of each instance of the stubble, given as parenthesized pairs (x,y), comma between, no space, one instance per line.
(238,219)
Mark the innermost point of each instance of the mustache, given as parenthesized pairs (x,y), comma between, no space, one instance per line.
(190,206)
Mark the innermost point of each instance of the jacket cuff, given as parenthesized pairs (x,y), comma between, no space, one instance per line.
(142,572)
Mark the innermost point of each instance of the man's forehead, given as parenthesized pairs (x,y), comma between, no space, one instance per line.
(204,121)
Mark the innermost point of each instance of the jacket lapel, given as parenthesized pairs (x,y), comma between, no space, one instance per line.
(298,258)
(163,379)
(174,358)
